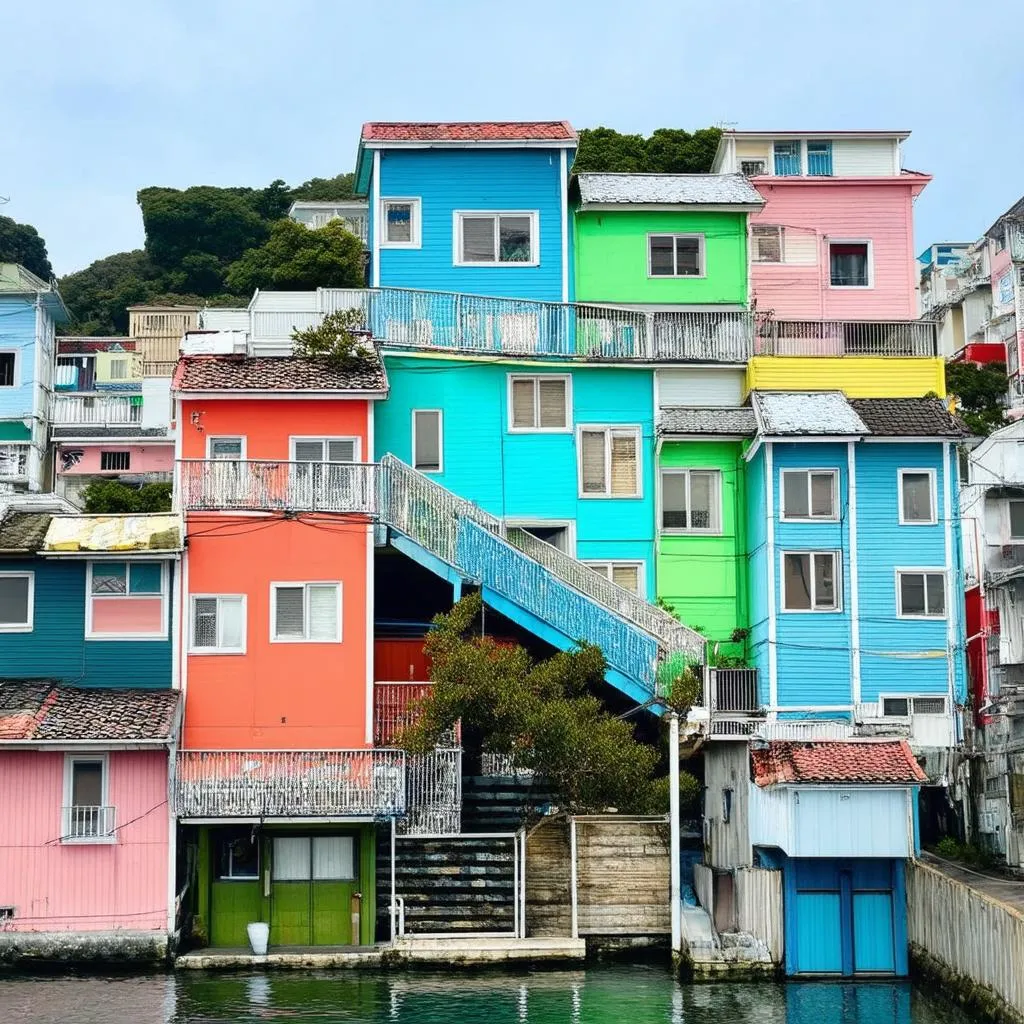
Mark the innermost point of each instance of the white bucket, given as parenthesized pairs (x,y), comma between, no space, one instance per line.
(259,936)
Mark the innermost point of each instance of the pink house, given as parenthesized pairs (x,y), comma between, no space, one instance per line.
(86,850)
(835,240)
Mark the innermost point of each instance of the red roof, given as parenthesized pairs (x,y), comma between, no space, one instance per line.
(886,761)
(276,373)
(468,131)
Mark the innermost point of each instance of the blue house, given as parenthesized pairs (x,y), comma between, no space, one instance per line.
(30,309)
(477,208)
(87,601)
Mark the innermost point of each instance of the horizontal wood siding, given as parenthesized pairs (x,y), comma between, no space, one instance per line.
(549,880)
(701,387)
(493,180)
(56,886)
(864,158)
(17,334)
(857,376)
(57,649)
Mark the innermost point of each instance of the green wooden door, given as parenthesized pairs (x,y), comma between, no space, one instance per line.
(233,904)
(332,914)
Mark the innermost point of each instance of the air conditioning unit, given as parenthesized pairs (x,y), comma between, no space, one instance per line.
(752,168)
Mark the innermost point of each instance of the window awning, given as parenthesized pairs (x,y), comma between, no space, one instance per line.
(15,430)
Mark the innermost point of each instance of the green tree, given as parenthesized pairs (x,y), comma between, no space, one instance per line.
(97,296)
(667,151)
(980,393)
(111,497)
(295,257)
(326,189)
(543,714)
(604,149)
(335,341)
(21,243)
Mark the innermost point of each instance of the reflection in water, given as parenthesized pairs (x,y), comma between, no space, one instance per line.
(601,995)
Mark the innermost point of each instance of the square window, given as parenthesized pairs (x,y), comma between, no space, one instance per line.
(849,264)
(16,601)
(238,854)
(400,228)
(306,612)
(126,600)
(921,594)
(809,581)
(8,364)
(675,256)
(809,494)
(917,496)
(427,443)
(495,239)
(539,403)
(218,624)
(691,501)
(113,461)
(223,448)
(609,462)
(896,707)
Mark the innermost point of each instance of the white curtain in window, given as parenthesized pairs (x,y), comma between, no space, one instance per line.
(231,625)
(333,857)
(291,859)
(323,612)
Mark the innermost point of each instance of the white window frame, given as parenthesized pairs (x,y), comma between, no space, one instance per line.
(609,429)
(22,627)
(837,563)
(511,378)
(701,256)
(457,217)
(780,234)
(916,570)
(715,530)
(225,437)
(932,498)
(164,596)
(415,222)
(440,441)
(599,564)
(910,698)
(305,584)
(16,372)
(69,763)
(569,525)
(192,647)
(357,446)
(1009,520)
(833,518)
(829,242)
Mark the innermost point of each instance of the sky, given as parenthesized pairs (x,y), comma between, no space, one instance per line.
(101,99)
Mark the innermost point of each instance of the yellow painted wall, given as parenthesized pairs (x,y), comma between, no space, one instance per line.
(857,376)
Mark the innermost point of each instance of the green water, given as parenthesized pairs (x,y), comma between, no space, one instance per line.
(599,995)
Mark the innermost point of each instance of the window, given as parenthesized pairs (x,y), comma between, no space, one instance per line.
(126,600)
(539,403)
(819,158)
(903,707)
(1016,520)
(752,168)
(609,462)
(766,243)
(427,444)
(691,501)
(221,448)
(8,365)
(675,255)
(118,369)
(325,449)
(320,858)
(17,601)
(559,534)
(896,707)
(726,805)
(238,854)
(808,494)
(218,624)
(110,461)
(87,817)
(494,239)
(628,575)
(787,158)
(305,612)
(809,581)
(921,593)
(917,496)
(850,264)
(400,224)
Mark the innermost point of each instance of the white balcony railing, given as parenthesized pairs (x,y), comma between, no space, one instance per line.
(732,691)
(84,823)
(263,485)
(848,338)
(97,409)
(13,461)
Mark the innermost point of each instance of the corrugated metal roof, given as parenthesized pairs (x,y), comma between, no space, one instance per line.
(807,413)
(153,532)
(668,189)
(733,422)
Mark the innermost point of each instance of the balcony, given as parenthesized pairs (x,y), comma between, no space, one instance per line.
(734,709)
(394,709)
(96,410)
(82,824)
(255,486)
(848,338)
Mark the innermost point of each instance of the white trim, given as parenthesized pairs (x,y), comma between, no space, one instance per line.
(192,648)
(22,627)
(415,204)
(833,518)
(534,218)
(566,378)
(933,498)
(16,370)
(180,640)
(526,522)
(925,571)
(674,276)
(949,466)
(440,441)
(210,438)
(829,242)
(773,626)
(357,444)
(851,477)
(608,429)
(837,580)
(689,531)
(910,698)
(598,564)
(305,584)
(163,595)
(69,762)
(374,205)
(563,202)
(368,597)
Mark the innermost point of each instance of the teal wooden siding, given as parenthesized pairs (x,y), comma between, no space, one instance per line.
(528,476)
(57,649)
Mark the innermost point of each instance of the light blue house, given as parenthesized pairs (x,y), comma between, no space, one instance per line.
(29,311)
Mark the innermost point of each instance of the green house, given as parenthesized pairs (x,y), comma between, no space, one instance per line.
(662,240)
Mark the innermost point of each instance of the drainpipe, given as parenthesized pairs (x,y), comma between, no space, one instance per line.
(673,813)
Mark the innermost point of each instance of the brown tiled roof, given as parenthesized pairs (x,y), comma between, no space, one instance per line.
(908,417)
(276,373)
(886,761)
(468,131)
(23,531)
(41,710)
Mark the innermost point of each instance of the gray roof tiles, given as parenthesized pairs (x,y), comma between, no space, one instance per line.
(826,413)
(668,189)
(712,421)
